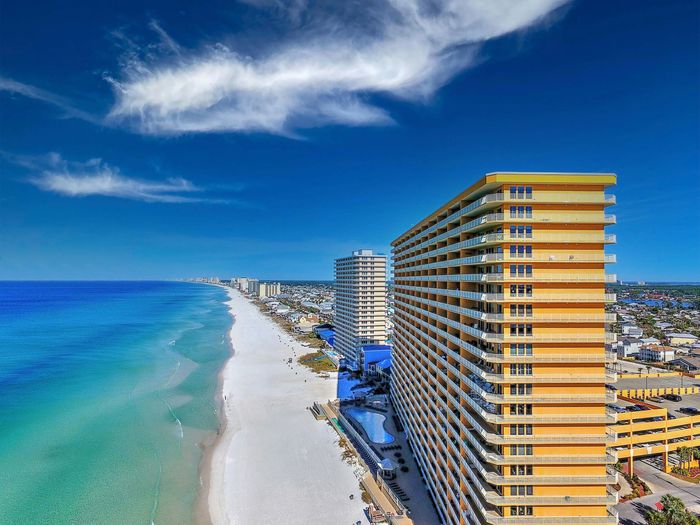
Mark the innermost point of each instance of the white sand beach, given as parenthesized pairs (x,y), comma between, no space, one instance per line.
(275,464)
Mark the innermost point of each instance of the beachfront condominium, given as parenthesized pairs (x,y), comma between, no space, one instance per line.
(263,290)
(499,371)
(360,303)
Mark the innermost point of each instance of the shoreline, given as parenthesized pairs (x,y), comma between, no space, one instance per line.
(202,512)
(272,462)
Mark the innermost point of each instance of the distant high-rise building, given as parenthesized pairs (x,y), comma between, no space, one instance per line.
(268,289)
(499,366)
(242,284)
(252,286)
(360,302)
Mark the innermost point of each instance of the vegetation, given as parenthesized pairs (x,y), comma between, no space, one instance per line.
(318,362)
(639,488)
(348,454)
(673,513)
(686,455)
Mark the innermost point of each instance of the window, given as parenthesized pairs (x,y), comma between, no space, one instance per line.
(520,409)
(521,430)
(521,470)
(521,450)
(521,192)
(521,369)
(521,290)
(522,389)
(521,330)
(521,490)
(521,510)
(520,349)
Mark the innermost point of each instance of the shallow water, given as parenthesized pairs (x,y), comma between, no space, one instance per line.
(106,392)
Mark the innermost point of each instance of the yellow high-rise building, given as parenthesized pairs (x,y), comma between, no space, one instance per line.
(499,371)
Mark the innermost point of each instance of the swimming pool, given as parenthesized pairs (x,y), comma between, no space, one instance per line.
(373,423)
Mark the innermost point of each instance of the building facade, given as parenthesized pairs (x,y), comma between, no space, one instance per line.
(657,353)
(499,367)
(264,290)
(360,303)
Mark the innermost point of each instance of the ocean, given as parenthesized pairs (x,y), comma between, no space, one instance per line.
(107,392)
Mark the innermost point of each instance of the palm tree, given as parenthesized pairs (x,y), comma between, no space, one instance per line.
(683,456)
(695,453)
(673,513)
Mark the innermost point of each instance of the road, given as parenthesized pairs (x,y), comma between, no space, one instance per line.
(632,512)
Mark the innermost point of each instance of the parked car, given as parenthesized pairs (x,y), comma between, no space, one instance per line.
(642,407)
(691,411)
(673,397)
(654,399)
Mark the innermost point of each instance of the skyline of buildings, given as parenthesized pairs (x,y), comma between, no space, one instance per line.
(499,350)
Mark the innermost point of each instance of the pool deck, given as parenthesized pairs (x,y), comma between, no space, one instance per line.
(422,510)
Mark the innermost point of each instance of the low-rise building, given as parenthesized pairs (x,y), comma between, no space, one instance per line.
(676,338)
(628,347)
(662,354)
(689,364)
(632,330)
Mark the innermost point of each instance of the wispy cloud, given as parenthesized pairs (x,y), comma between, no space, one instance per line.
(9,85)
(323,74)
(95,177)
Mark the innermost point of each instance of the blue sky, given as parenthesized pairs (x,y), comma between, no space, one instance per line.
(166,139)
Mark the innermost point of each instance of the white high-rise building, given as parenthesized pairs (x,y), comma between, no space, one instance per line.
(252,286)
(268,289)
(360,302)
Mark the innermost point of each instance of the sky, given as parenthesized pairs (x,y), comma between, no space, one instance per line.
(147,140)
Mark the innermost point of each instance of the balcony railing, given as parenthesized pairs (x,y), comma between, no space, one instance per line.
(538,196)
(497,238)
(492,317)
(505,277)
(507,257)
(500,297)
(574,337)
(608,377)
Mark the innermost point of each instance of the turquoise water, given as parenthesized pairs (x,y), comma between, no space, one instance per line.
(107,391)
(373,423)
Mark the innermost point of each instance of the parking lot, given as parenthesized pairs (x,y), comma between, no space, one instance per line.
(635,383)
(673,406)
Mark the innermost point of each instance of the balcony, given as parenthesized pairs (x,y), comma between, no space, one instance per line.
(575,337)
(499,297)
(608,377)
(503,277)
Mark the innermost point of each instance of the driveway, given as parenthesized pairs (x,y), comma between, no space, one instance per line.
(632,512)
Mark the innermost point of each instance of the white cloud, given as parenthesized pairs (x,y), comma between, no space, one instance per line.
(325,74)
(95,177)
(12,86)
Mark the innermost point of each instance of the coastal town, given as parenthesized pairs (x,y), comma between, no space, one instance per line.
(415,366)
